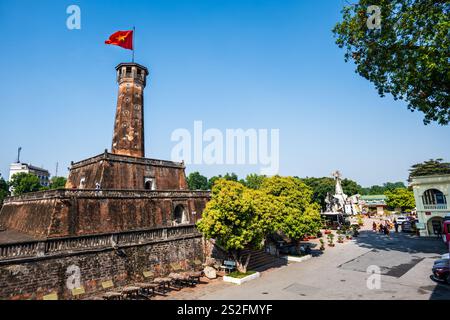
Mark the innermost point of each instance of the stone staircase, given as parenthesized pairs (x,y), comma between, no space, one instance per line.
(261,260)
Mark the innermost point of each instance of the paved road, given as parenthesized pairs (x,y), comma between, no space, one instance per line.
(341,273)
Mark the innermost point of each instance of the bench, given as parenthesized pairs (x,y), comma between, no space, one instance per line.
(162,283)
(228,265)
(111,295)
(130,291)
(148,288)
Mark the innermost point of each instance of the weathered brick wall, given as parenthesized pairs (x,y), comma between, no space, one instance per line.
(123,172)
(33,219)
(81,212)
(33,279)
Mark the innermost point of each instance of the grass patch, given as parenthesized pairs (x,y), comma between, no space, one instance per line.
(240,275)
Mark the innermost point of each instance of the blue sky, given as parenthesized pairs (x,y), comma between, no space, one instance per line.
(231,64)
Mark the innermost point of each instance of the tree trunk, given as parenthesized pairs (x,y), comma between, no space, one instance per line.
(240,266)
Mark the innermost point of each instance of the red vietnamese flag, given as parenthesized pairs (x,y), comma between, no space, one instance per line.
(122,39)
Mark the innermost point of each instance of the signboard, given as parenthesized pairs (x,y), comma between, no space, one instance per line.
(148,274)
(51,296)
(420,226)
(78,291)
(107,284)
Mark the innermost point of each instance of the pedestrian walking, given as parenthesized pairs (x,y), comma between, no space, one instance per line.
(396,225)
(374,226)
(386,230)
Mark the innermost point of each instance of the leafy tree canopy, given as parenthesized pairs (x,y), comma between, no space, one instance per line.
(297,215)
(24,182)
(228,176)
(407,57)
(196,181)
(400,198)
(4,190)
(238,217)
(430,167)
(388,186)
(254,181)
(58,182)
(232,219)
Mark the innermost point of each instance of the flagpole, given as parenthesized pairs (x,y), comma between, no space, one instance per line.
(134,31)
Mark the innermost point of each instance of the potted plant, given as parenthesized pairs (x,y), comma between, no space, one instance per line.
(360,220)
(355,230)
(327,231)
(322,246)
(340,239)
(330,240)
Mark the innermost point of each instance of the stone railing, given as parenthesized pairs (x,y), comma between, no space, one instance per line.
(51,247)
(93,193)
(442,206)
(128,159)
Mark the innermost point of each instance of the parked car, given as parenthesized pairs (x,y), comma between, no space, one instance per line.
(401,219)
(441,272)
(409,226)
(445,256)
(441,261)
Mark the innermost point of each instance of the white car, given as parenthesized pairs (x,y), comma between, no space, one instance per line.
(401,219)
(445,256)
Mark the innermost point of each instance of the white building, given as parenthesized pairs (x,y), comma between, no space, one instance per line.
(42,174)
(431,194)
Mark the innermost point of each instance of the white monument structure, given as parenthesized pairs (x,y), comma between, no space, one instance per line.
(340,203)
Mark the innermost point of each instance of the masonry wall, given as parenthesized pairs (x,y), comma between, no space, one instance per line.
(124,172)
(35,278)
(63,213)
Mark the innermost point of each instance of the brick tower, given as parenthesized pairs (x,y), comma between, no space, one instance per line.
(128,137)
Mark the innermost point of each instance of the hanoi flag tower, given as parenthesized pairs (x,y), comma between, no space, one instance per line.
(128,138)
(116,191)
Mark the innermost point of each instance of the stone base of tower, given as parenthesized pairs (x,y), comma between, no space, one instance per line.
(71,212)
(117,172)
(107,193)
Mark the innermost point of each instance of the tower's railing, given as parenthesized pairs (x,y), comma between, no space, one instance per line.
(106,193)
(74,245)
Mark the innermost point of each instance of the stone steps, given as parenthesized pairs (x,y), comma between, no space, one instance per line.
(260,259)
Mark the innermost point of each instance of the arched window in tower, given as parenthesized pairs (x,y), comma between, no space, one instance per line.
(179,215)
(434,199)
(149,184)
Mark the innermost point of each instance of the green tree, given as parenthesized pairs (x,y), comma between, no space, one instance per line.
(407,57)
(24,182)
(298,215)
(254,181)
(232,219)
(4,190)
(320,187)
(228,176)
(400,198)
(388,186)
(196,181)
(58,182)
(430,167)
(350,187)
